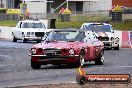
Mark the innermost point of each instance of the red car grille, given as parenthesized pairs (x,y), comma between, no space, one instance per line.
(52,52)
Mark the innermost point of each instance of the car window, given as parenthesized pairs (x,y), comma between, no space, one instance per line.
(25,25)
(97,28)
(33,25)
(66,36)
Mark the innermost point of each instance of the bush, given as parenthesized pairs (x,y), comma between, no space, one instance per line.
(2,10)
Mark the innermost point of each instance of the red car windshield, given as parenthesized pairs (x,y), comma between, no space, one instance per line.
(66,36)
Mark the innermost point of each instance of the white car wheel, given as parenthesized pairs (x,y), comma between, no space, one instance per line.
(116,48)
(24,40)
(14,39)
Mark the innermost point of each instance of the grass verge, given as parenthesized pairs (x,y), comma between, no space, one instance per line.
(122,25)
(10,23)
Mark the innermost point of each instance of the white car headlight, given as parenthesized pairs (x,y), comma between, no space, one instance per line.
(33,51)
(71,51)
(23,34)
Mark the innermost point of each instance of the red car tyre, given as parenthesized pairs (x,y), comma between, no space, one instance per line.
(80,61)
(100,60)
(35,65)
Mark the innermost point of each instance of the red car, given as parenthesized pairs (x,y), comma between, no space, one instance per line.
(68,46)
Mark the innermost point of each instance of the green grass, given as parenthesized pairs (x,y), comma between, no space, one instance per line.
(10,23)
(89,18)
(78,20)
(61,25)
(116,25)
(123,25)
(126,25)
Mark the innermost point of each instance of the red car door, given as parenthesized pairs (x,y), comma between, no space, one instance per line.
(88,50)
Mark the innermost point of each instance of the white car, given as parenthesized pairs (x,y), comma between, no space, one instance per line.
(105,33)
(30,30)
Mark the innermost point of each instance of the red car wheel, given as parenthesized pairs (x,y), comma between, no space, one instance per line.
(100,60)
(35,65)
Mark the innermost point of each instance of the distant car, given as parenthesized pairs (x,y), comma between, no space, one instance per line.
(72,47)
(104,33)
(29,30)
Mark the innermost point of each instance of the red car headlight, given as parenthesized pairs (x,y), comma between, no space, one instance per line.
(71,51)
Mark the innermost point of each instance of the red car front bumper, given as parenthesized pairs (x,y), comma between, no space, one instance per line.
(43,59)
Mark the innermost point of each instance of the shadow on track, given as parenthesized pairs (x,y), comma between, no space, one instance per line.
(87,65)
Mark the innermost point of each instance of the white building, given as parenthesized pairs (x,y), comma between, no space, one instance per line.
(97,5)
(36,6)
(42,6)
(7,3)
(39,8)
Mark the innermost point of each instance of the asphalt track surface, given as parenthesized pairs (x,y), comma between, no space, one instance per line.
(15,67)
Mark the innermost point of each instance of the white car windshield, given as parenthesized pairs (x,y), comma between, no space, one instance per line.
(98,28)
(33,25)
(69,36)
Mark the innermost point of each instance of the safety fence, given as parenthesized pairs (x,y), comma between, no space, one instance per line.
(4,16)
(76,16)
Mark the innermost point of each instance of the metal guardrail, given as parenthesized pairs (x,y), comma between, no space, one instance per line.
(4,16)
